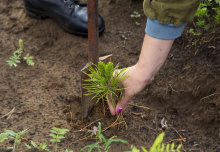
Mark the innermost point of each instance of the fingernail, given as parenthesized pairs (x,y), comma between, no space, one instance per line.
(119,110)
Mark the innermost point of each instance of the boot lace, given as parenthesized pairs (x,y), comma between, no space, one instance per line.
(71,3)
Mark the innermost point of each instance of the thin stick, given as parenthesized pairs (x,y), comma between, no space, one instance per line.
(84,138)
(116,122)
(139,106)
(179,139)
(209,96)
(87,125)
(9,114)
(113,124)
(178,134)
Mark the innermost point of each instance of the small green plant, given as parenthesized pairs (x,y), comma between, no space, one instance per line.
(124,37)
(158,146)
(204,18)
(135,14)
(103,144)
(137,23)
(13,135)
(3,137)
(15,59)
(191,30)
(41,147)
(105,83)
(29,60)
(57,134)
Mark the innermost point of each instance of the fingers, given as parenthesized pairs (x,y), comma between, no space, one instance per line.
(111,108)
(122,104)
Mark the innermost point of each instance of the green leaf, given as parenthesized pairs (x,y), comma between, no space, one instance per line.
(29,60)
(134,149)
(11,133)
(201,12)
(68,150)
(3,137)
(21,133)
(157,142)
(90,147)
(172,146)
(28,146)
(112,139)
(144,150)
(20,44)
(54,140)
(178,148)
(42,146)
(33,144)
(137,23)
(200,23)
(167,147)
(53,135)
(60,137)
(124,37)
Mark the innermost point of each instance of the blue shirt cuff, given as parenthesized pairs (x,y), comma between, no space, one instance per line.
(163,31)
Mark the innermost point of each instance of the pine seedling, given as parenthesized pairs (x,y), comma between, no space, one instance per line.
(104,82)
(102,144)
(57,134)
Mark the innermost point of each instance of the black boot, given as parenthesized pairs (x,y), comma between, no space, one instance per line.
(71,15)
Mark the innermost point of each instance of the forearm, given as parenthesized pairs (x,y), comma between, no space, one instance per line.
(153,54)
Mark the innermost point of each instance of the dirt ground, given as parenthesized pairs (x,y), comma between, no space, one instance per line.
(185,92)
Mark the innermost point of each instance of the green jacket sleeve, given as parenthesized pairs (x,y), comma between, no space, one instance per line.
(175,12)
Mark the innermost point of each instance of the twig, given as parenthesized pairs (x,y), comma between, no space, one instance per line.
(113,124)
(84,138)
(178,134)
(83,129)
(181,137)
(139,106)
(9,114)
(208,96)
(116,122)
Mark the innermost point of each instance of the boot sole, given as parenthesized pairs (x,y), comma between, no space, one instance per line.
(40,15)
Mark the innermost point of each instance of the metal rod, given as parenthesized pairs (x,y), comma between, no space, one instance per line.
(93,35)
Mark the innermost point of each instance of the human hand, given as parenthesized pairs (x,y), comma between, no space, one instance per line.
(135,82)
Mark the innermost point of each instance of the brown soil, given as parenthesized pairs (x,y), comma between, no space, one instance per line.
(185,92)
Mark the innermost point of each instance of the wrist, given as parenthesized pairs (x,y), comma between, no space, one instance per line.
(143,74)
